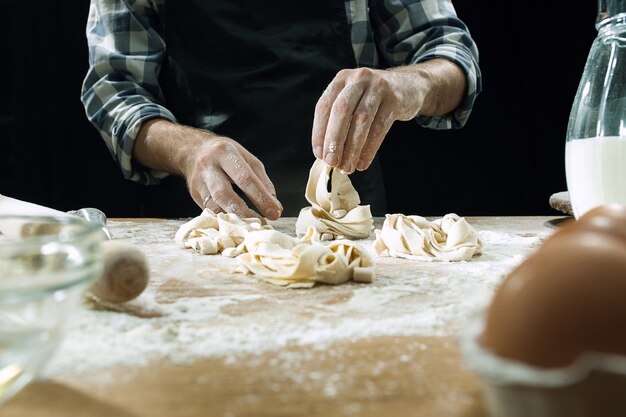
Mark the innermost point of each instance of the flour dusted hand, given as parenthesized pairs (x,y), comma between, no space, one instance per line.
(211,233)
(334,213)
(301,263)
(450,238)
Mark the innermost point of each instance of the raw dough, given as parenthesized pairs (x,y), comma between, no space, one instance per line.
(273,256)
(301,263)
(336,214)
(211,233)
(450,238)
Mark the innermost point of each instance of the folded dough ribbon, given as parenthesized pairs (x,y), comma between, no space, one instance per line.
(211,233)
(301,263)
(450,238)
(334,213)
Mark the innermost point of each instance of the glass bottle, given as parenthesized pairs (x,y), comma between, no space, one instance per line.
(595,149)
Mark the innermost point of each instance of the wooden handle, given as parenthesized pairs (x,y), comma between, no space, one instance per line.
(125,275)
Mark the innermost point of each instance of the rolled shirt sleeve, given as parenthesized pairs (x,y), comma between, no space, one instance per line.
(121,89)
(413,31)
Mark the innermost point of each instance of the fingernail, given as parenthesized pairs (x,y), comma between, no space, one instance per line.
(331,159)
(360,165)
(318,152)
(346,167)
(273,214)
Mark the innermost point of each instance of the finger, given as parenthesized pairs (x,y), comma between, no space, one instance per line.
(322,113)
(240,172)
(209,203)
(225,197)
(212,205)
(259,169)
(360,125)
(199,192)
(339,121)
(380,126)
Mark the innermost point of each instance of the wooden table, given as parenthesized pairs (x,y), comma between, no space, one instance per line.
(204,340)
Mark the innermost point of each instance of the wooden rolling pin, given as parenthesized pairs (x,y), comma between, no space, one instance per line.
(125,274)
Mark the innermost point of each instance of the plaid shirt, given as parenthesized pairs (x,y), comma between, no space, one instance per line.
(126,49)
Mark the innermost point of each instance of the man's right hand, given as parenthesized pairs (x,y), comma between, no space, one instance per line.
(211,164)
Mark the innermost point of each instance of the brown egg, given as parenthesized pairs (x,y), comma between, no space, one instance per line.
(567,298)
(609,218)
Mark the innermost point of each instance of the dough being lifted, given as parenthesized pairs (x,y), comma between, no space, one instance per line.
(334,213)
(211,233)
(450,238)
(280,259)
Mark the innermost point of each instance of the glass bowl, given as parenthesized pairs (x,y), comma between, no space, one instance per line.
(46,265)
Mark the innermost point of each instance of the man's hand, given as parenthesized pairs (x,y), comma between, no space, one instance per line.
(358,107)
(211,164)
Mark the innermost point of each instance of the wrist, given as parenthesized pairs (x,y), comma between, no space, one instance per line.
(436,86)
(413,87)
(426,82)
(167,146)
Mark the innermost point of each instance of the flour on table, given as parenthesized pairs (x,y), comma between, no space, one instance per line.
(211,233)
(449,238)
(301,263)
(335,213)
(227,317)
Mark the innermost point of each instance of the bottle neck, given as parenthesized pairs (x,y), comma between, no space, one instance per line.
(608,9)
(614,25)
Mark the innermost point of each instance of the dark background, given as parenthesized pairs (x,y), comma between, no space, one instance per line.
(507,160)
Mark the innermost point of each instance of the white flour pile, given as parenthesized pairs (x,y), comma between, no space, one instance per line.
(238,315)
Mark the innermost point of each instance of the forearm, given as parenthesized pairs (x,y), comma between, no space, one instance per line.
(166,146)
(442,83)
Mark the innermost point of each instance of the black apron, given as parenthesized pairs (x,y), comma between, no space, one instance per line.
(253,71)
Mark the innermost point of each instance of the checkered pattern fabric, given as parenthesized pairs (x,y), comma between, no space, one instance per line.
(126,49)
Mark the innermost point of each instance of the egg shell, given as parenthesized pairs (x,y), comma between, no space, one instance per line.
(567,298)
(610,219)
